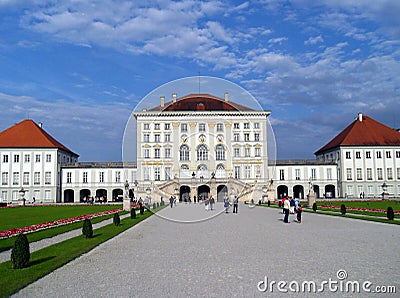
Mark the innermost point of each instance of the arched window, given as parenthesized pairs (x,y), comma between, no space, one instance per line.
(184,152)
(184,172)
(202,152)
(220,171)
(219,152)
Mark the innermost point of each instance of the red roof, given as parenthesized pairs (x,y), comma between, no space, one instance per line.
(367,132)
(27,134)
(201,102)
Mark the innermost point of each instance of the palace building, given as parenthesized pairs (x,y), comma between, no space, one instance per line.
(201,145)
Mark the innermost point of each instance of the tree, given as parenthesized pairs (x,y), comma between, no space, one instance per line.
(133,213)
(343,209)
(87,229)
(116,219)
(20,253)
(390,213)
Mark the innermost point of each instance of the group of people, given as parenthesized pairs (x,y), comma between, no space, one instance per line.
(291,206)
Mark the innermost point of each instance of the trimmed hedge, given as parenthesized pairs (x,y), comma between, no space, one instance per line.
(87,229)
(116,219)
(20,253)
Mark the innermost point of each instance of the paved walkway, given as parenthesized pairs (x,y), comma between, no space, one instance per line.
(228,255)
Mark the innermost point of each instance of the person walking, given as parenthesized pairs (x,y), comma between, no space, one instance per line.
(206,203)
(235,204)
(299,211)
(171,201)
(212,202)
(286,206)
(292,205)
(226,205)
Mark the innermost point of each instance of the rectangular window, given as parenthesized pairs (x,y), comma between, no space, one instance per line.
(350,190)
(388,154)
(15,178)
(4,178)
(167,173)
(256,125)
(398,173)
(47,178)
(379,173)
(256,137)
(358,154)
(329,174)
(389,173)
(27,158)
(36,178)
(370,189)
(397,154)
(157,176)
(348,155)
(247,137)
(5,158)
(237,172)
(313,174)
(25,178)
(220,127)
(167,126)
(157,153)
(281,174)
(183,127)
(297,174)
(101,177)
(85,177)
(157,138)
(4,196)
(146,174)
(202,127)
(16,158)
(117,176)
(146,153)
(257,152)
(368,154)
(247,152)
(47,195)
(69,177)
(236,137)
(146,126)
(37,158)
(167,138)
(146,138)
(236,126)
(157,126)
(246,125)
(369,173)
(236,152)
(349,174)
(167,153)
(359,173)
(48,157)
(247,172)
(378,154)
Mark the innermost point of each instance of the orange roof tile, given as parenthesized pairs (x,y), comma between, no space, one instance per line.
(201,102)
(367,132)
(27,134)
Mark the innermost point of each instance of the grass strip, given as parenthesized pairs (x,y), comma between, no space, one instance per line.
(48,259)
(7,243)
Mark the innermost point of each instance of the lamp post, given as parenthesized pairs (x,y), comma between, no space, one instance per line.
(22,195)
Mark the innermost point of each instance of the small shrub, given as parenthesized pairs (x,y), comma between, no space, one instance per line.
(141,209)
(20,253)
(133,213)
(158,205)
(269,203)
(259,202)
(154,206)
(87,229)
(343,209)
(314,207)
(390,213)
(116,219)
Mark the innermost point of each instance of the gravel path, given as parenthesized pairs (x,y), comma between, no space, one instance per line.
(228,255)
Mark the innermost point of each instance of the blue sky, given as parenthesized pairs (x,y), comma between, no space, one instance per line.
(81,67)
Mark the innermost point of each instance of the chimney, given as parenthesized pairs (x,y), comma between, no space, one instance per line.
(360,116)
(226,96)
(162,101)
(173,97)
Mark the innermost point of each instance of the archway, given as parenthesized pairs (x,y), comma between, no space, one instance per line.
(316,190)
(330,191)
(117,195)
(203,191)
(101,195)
(84,195)
(184,193)
(222,193)
(298,191)
(282,191)
(68,196)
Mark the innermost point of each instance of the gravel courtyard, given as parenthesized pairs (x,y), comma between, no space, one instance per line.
(190,252)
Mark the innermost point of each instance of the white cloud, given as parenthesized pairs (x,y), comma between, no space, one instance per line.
(314,40)
(278,40)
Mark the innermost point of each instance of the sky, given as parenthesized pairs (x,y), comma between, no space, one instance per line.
(81,67)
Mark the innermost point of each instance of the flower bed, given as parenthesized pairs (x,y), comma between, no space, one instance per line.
(51,224)
(357,209)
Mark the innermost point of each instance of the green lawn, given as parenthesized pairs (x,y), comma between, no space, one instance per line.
(46,260)
(20,217)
